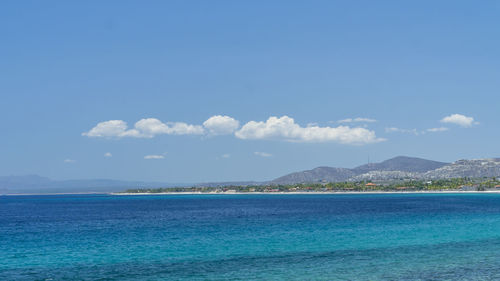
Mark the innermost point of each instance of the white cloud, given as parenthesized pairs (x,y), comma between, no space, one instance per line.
(108,154)
(358,120)
(415,131)
(262,154)
(154,157)
(460,120)
(439,129)
(221,125)
(69,161)
(226,155)
(144,128)
(111,128)
(404,131)
(150,127)
(285,128)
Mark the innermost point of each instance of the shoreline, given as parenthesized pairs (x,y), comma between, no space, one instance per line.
(263,193)
(307,193)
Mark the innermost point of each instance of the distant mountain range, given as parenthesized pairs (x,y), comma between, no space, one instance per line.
(38,184)
(398,168)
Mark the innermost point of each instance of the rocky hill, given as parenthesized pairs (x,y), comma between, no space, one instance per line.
(398,168)
(476,168)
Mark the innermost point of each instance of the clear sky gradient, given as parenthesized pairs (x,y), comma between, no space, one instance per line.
(406,66)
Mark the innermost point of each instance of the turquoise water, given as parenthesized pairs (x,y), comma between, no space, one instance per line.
(244,237)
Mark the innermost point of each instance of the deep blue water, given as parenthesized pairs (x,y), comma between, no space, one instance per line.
(244,237)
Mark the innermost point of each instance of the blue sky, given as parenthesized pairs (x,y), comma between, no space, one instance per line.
(270,80)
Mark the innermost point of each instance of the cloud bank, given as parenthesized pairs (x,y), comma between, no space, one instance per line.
(285,128)
(144,128)
(275,128)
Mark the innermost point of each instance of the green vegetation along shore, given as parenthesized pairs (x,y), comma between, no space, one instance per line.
(457,184)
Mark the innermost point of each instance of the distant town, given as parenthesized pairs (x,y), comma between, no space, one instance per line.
(456,184)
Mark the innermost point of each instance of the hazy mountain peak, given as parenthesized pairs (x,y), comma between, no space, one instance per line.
(400,166)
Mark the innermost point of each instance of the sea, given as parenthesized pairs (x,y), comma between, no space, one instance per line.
(251,237)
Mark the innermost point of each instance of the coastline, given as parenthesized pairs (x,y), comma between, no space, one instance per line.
(308,193)
(263,193)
